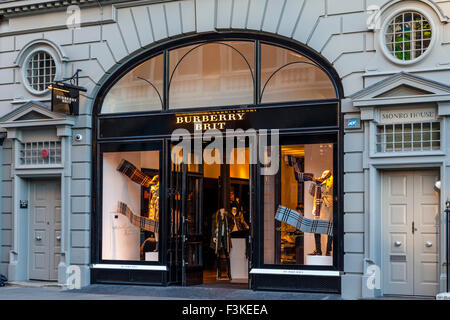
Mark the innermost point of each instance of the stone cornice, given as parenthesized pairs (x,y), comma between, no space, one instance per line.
(20,7)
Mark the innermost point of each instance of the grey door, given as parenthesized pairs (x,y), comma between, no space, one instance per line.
(411,233)
(45,229)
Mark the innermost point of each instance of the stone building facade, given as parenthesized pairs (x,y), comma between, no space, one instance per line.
(349,35)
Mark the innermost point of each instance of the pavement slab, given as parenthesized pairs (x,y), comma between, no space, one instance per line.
(127,292)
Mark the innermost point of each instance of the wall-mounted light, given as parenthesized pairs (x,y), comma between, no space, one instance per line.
(437,186)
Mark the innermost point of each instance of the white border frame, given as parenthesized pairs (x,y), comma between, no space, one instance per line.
(323,273)
(25,64)
(128,267)
(386,22)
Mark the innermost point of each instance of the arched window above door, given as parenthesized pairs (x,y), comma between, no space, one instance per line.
(288,76)
(212,74)
(140,89)
(219,74)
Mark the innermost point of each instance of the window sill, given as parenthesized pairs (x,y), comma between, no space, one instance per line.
(407,154)
(40,166)
(129,267)
(323,273)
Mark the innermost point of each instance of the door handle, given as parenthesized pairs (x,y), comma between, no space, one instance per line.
(397,243)
(428,244)
(413,227)
(38,238)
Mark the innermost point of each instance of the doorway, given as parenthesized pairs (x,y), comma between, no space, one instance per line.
(239,211)
(45,229)
(410,224)
(200,193)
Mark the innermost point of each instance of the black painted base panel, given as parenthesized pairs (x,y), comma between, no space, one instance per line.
(130,277)
(296,283)
(258,282)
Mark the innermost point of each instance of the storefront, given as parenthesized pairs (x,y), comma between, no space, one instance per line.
(276,156)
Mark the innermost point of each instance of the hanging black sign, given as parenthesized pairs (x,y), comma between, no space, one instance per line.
(66,98)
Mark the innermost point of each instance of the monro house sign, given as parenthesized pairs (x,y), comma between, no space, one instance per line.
(405,115)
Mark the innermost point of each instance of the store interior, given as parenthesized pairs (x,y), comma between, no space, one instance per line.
(226,186)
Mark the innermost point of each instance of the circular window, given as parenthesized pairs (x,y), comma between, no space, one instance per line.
(40,71)
(408,36)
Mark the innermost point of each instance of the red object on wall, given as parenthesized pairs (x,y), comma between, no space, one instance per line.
(44,153)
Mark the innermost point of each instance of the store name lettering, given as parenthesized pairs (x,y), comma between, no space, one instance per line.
(65,99)
(408,115)
(405,116)
(211,121)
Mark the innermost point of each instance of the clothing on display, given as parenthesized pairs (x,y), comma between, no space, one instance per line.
(136,175)
(150,222)
(136,220)
(153,205)
(238,220)
(318,242)
(325,181)
(221,240)
(301,223)
(321,190)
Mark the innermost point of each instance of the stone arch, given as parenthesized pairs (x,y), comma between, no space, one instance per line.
(120,69)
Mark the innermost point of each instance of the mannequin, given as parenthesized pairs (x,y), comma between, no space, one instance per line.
(221,240)
(239,223)
(137,176)
(321,190)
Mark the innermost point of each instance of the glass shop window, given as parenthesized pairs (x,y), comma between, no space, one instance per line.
(212,74)
(289,76)
(141,89)
(131,206)
(298,207)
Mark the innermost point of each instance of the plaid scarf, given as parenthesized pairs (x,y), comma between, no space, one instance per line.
(138,221)
(298,221)
(136,175)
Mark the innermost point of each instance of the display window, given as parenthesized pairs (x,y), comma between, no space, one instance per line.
(299,205)
(131,206)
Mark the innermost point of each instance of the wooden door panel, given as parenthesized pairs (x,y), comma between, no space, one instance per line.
(45,229)
(397,236)
(426,236)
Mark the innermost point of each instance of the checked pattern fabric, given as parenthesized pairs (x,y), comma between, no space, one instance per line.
(136,175)
(301,223)
(138,221)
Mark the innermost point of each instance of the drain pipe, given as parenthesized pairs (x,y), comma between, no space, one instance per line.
(447,211)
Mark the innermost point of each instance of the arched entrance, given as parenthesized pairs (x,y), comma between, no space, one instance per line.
(219,153)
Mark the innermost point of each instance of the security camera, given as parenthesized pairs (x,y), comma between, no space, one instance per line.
(78,137)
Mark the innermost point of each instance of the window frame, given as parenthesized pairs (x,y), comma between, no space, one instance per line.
(338,235)
(130,146)
(29,56)
(335,133)
(387,22)
(116,77)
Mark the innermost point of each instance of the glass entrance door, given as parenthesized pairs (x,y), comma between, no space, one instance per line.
(192,229)
(186,207)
